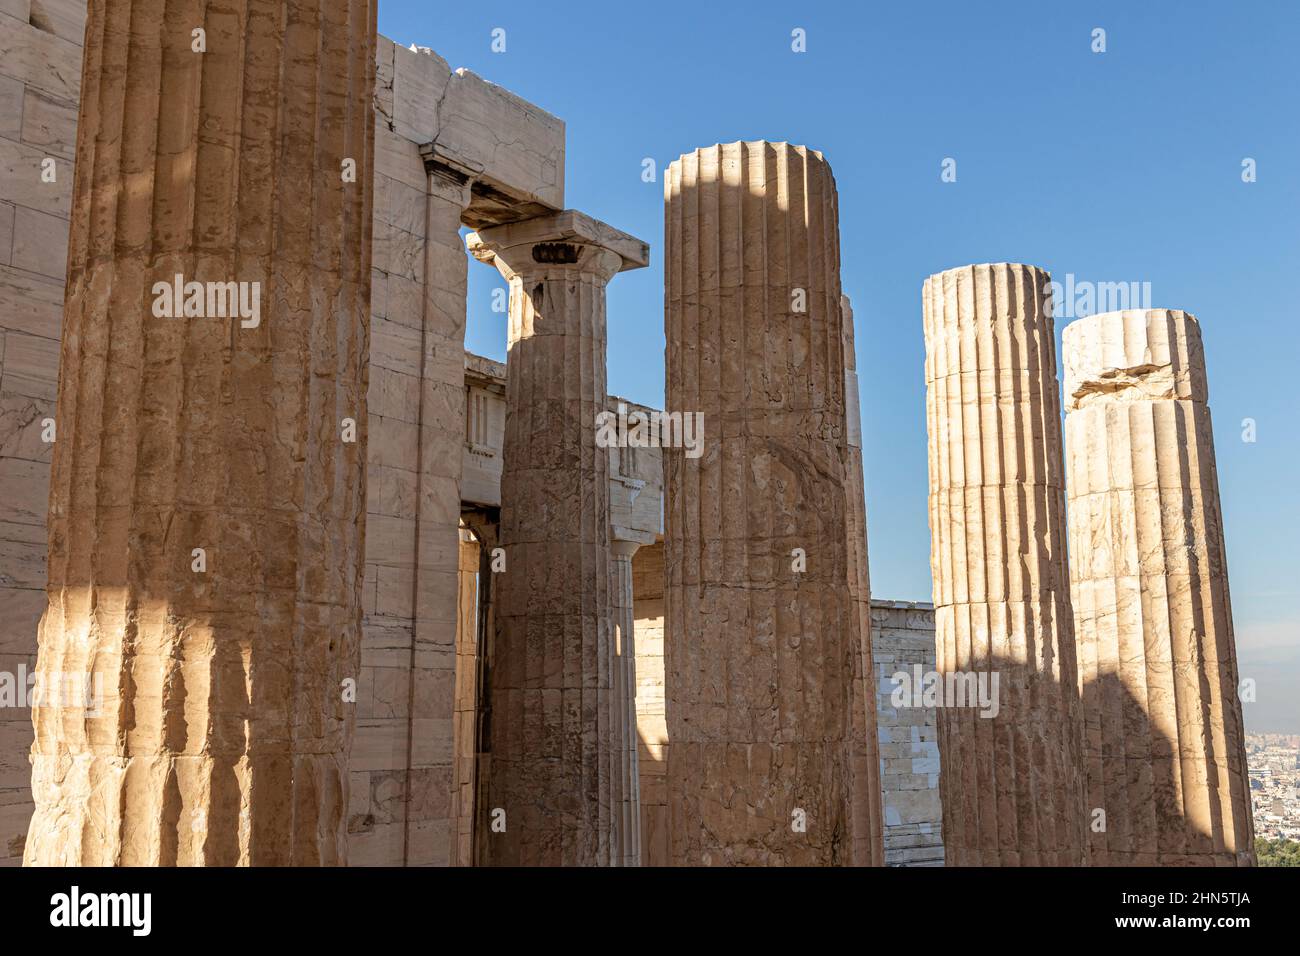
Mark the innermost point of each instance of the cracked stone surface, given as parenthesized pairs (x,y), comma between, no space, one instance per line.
(508,145)
(767,764)
(1164,748)
(1011,786)
(222,736)
(41,56)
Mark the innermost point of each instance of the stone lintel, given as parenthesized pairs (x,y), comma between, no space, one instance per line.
(902,605)
(512,149)
(628,540)
(485,373)
(568,226)
(487,202)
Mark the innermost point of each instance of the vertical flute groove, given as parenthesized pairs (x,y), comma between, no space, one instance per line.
(1011,785)
(222,737)
(1164,744)
(556,736)
(769,762)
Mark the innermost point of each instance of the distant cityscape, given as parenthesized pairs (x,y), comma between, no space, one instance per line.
(1274,764)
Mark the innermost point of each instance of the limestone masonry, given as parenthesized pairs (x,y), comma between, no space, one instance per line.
(902,639)
(299,581)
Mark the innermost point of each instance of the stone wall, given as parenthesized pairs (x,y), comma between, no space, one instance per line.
(389,824)
(40,70)
(902,636)
(403,756)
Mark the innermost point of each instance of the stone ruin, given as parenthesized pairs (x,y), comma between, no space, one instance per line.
(349,594)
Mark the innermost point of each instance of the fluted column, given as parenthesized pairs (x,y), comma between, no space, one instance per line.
(1011,783)
(625,650)
(1164,750)
(869,810)
(464,718)
(766,648)
(207,501)
(552,734)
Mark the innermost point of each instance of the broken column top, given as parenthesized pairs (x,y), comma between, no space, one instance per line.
(1133,355)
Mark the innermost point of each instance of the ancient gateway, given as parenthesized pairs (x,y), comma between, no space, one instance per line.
(298,581)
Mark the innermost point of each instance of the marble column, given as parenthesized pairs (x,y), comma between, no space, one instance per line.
(464,720)
(868,809)
(625,651)
(553,780)
(207,506)
(1163,747)
(1010,775)
(766,748)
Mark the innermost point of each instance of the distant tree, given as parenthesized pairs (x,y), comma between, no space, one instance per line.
(1277,852)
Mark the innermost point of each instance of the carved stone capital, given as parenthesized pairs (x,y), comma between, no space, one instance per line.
(558,241)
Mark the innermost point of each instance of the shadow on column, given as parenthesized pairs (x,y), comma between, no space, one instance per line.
(1138,809)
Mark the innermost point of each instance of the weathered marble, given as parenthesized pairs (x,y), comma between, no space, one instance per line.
(902,639)
(1011,784)
(868,828)
(622,552)
(554,736)
(468,707)
(223,733)
(1164,749)
(765,649)
(511,149)
(435,171)
(40,70)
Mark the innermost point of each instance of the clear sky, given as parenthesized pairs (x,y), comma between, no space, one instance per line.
(1124,165)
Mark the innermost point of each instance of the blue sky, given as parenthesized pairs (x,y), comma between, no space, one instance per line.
(1117,166)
